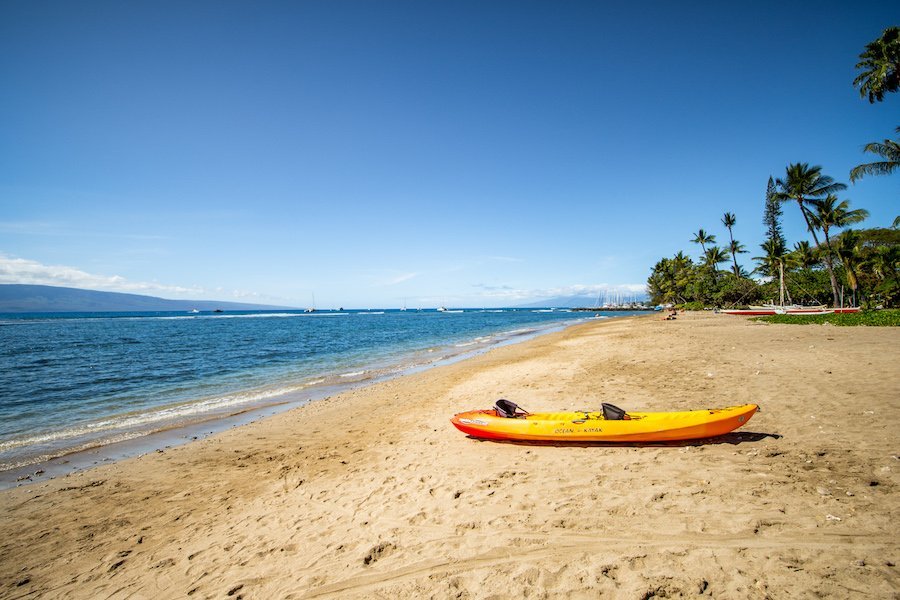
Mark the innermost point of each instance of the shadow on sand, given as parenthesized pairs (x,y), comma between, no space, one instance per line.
(734,438)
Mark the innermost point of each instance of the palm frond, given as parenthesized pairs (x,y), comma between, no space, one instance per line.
(876,168)
(888,149)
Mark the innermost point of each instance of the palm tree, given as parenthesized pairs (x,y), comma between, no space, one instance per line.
(850,253)
(661,284)
(880,66)
(889,150)
(737,248)
(670,279)
(803,184)
(831,213)
(702,238)
(729,221)
(884,262)
(772,263)
(714,256)
(773,255)
(803,255)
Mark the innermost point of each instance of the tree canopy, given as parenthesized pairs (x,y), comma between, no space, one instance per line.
(880,66)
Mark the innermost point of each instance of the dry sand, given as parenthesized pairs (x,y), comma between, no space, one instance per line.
(373,494)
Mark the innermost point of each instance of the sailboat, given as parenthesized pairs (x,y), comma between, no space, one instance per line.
(312,308)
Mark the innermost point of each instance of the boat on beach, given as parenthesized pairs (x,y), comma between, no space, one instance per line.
(759,311)
(506,421)
(786,309)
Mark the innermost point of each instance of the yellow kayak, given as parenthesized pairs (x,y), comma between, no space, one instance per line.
(610,425)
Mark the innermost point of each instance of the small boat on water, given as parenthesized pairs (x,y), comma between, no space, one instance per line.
(312,307)
(507,421)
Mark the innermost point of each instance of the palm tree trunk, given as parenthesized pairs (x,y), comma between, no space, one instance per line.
(737,270)
(780,283)
(828,264)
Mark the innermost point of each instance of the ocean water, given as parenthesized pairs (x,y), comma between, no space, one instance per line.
(74,381)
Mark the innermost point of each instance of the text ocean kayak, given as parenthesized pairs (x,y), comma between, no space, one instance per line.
(594,427)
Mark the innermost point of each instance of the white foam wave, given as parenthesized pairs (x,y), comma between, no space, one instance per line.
(353,374)
(147,419)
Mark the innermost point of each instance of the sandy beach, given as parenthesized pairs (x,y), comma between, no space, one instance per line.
(373,494)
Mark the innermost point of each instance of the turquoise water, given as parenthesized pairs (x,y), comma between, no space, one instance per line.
(75,381)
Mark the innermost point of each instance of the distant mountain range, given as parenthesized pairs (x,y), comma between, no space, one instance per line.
(44,298)
(16,298)
(571,302)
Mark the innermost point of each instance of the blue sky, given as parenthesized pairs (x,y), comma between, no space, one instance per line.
(371,153)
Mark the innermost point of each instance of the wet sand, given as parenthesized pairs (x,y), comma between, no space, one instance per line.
(373,494)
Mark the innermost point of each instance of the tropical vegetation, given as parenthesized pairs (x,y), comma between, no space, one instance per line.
(880,318)
(880,66)
(840,265)
(889,150)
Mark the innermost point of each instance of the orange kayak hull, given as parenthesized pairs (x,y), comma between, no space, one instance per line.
(592,427)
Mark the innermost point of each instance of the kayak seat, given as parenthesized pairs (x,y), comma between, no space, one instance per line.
(611,412)
(507,409)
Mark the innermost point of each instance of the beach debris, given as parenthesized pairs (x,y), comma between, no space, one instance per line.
(377,552)
(832,518)
(823,491)
(116,565)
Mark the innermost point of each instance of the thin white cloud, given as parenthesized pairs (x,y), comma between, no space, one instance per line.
(504,292)
(506,259)
(29,227)
(401,278)
(57,229)
(24,271)
(394,279)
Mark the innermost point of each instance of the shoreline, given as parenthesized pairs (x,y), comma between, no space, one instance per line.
(374,493)
(325,385)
